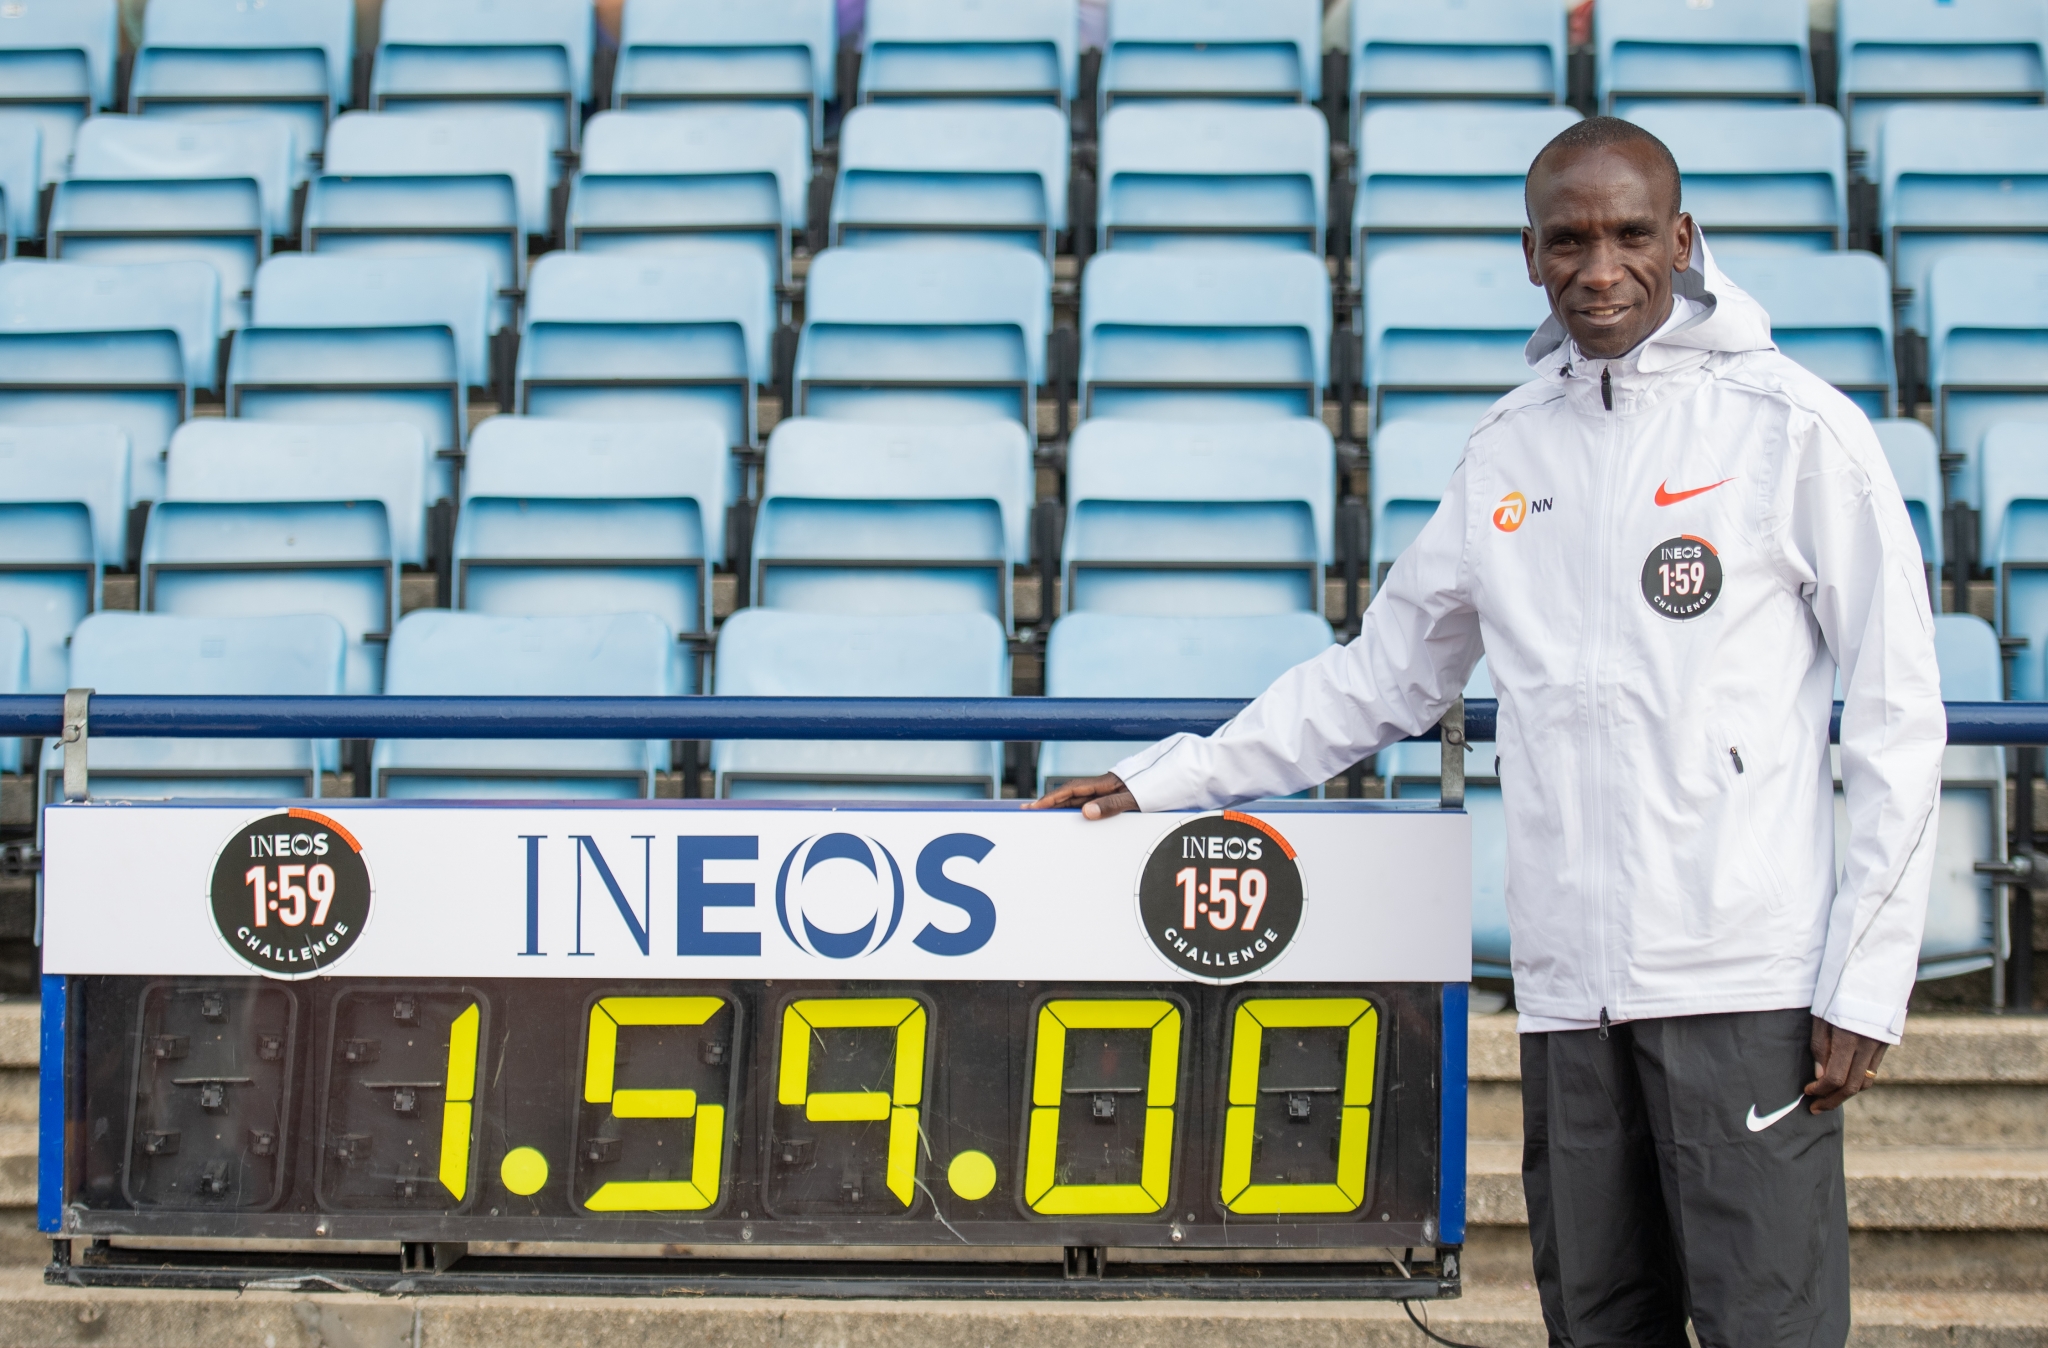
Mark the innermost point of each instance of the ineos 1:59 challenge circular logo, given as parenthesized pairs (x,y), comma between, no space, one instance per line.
(1682,577)
(1221,896)
(291,894)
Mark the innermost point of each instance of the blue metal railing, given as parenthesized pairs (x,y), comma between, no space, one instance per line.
(734,718)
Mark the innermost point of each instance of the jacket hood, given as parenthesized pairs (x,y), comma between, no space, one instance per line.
(1731,321)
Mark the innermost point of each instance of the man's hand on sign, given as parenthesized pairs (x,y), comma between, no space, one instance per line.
(1098,797)
(1844,1063)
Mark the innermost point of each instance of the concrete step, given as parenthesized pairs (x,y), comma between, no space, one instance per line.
(32,1312)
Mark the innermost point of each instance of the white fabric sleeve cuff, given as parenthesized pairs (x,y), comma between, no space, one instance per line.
(1872,1020)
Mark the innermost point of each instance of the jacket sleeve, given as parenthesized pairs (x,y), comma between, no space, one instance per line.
(1418,645)
(1852,547)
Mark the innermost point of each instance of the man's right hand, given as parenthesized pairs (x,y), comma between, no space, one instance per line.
(1098,797)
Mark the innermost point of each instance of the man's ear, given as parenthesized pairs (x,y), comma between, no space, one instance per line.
(1687,235)
(1529,255)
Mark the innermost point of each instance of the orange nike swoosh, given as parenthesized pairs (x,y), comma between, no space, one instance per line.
(1665,498)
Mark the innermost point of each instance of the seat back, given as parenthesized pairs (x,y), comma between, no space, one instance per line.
(435,653)
(1831,312)
(566,518)
(57,66)
(1222,521)
(690,176)
(1173,173)
(1955,180)
(1412,463)
(1018,50)
(862,518)
(63,521)
(772,653)
(113,653)
(214,459)
(2015,534)
(209,57)
(524,54)
(940,332)
(1455,49)
(260,148)
(1987,351)
(21,184)
(123,346)
(1443,342)
(1656,49)
(648,338)
(1915,461)
(1894,51)
(910,172)
(1267,49)
(1430,172)
(707,51)
(1182,335)
(1759,176)
(1151,655)
(14,644)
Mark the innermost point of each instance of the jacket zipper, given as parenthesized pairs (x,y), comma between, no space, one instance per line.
(1597,590)
(1734,754)
(1606,389)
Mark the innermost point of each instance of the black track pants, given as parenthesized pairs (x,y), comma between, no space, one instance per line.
(1653,1198)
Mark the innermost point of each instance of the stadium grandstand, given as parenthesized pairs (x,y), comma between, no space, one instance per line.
(943,348)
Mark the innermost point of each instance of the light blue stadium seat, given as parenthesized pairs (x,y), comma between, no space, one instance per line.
(1673,49)
(711,51)
(1412,462)
(526,54)
(1445,331)
(63,521)
(13,679)
(860,517)
(1965,927)
(1831,312)
(346,340)
(1905,51)
(122,346)
(1987,351)
(1455,49)
(230,58)
(115,653)
(1267,49)
(1959,180)
(1220,520)
(1445,170)
(460,184)
(673,181)
(910,173)
(1414,772)
(941,332)
(2014,543)
(1208,335)
(21,183)
(1144,655)
(1174,173)
(147,189)
(435,653)
(1758,176)
(247,529)
(648,338)
(1019,49)
(1915,461)
(568,518)
(56,68)
(773,653)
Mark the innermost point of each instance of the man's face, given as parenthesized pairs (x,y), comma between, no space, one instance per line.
(1603,242)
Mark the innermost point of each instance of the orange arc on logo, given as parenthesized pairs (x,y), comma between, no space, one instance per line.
(318,818)
(1509,514)
(1263,827)
(1665,498)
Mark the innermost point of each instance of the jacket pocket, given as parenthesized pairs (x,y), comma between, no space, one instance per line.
(1740,771)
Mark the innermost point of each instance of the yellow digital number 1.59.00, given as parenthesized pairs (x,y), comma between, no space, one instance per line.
(1043,1192)
(1360,1022)
(899,1105)
(700,1189)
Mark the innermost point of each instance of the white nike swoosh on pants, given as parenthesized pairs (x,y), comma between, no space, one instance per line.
(1757,1125)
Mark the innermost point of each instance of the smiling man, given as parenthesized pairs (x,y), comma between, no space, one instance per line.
(1723,539)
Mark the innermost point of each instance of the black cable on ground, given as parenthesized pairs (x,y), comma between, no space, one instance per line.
(1429,1333)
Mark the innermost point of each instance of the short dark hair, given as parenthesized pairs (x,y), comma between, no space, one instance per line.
(1599,133)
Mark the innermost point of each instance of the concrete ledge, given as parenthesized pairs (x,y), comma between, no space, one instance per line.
(21,1034)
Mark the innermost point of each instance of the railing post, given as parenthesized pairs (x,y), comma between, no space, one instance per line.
(1451,781)
(75,743)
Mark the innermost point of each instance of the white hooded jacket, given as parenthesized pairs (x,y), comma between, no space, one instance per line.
(1665,558)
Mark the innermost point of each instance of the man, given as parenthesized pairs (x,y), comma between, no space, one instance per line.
(1666,543)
